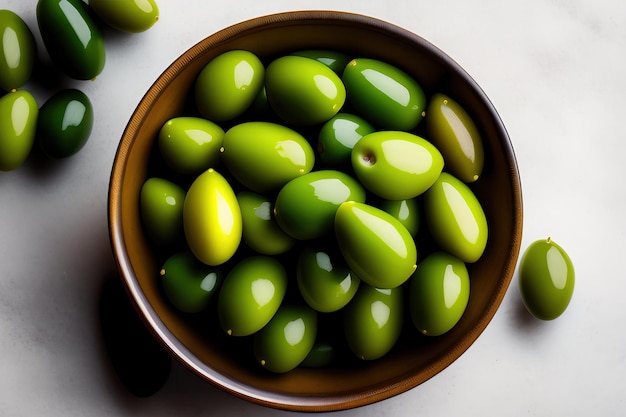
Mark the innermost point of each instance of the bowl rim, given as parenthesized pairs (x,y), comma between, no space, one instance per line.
(149,315)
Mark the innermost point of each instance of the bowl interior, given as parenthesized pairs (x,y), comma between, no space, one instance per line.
(195,341)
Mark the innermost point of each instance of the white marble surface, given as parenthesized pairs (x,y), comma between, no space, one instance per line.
(554,69)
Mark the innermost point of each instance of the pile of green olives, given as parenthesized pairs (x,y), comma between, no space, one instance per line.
(290,202)
(72,36)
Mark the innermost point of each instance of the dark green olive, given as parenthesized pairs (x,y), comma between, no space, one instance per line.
(406,211)
(188,283)
(335,60)
(305,207)
(324,280)
(338,136)
(251,294)
(287,339)
(72,37)
(65,123)
(161,204)
(260,230)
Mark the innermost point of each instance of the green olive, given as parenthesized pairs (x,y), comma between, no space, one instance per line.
(251,294)
(335,60)
(264,156)
(338,136)
(406,211)
(72,37)
(161,205)
(18,124)
(132,16)
(455,218)
(228,85)
(305,207)
(287,339)
(260,230)
(375,245)
(455,134)
(396,165)
(373,321)
(65,123)
(212,218)
(546,279)
(190,145)
(303,91)
(324,280)
(384,94)
(188,283)
(18,51)
(438,293)
(322,354)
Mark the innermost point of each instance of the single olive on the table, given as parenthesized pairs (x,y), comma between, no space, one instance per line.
(72,38)
(132,16)
(546,279)
(65,123)
(18,51)
(18,125)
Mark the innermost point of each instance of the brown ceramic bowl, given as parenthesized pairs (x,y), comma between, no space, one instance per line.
(417,358)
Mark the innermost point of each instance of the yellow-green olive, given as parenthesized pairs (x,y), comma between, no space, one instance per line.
(18,125)
(456,136)
(396,165)
(18,51)
(190,145)
(132,16)
(212,218)
(546,279)
(438,293)
(303,91)
(375,245)
(228,85)
(455,218)
(264,156)
(373,321)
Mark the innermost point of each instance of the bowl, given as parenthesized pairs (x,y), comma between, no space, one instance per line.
(417,358)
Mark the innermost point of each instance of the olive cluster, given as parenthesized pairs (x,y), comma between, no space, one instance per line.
(72,36)
(294,191)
